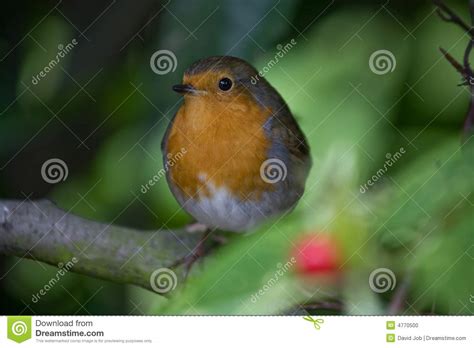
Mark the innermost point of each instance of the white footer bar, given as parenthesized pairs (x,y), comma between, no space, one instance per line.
(214,331)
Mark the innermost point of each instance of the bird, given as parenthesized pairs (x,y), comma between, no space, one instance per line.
(233,153)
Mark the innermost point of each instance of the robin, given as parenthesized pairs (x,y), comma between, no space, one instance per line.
(234,155)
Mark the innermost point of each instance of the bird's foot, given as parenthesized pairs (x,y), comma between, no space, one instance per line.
(197,253)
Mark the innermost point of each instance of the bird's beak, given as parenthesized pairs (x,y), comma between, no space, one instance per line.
(184,89)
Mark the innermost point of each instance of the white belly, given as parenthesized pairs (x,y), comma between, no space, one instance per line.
(219,208)
(224,211)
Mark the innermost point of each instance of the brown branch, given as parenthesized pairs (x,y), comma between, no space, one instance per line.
(458,66)
(39,230)
(464,69)
(448,15)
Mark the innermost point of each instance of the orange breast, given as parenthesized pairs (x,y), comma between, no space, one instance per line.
(224,147)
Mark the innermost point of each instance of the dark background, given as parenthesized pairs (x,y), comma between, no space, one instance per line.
(103,111)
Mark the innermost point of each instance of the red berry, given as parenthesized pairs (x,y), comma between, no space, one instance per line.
(317,254)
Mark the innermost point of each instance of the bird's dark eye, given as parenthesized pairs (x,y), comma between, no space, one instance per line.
(225,84)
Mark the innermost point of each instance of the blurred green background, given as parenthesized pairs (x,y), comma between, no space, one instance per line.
(103,111)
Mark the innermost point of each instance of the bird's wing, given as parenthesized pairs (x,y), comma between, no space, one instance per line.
(285,131)
(289,144)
